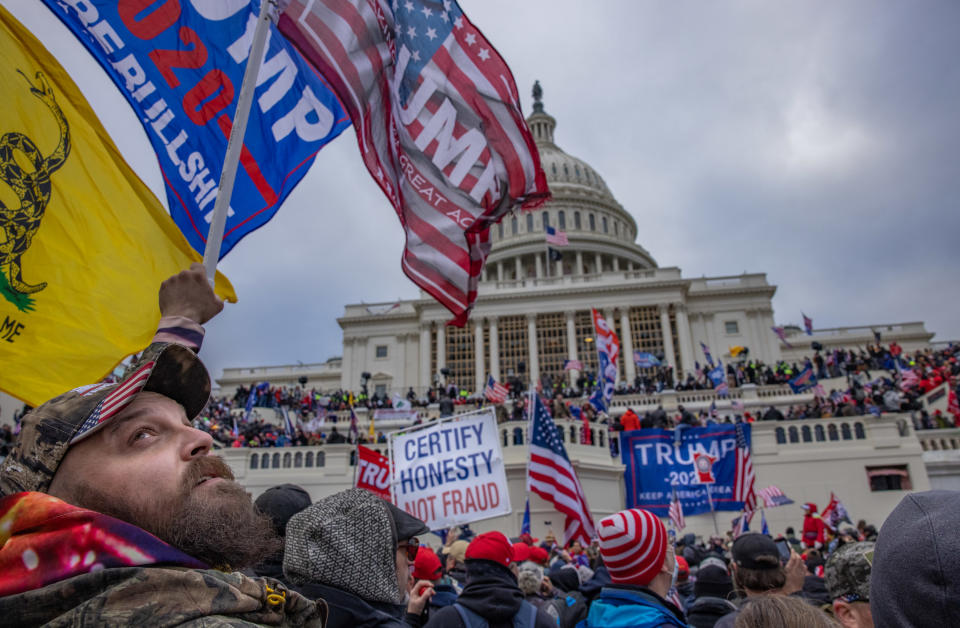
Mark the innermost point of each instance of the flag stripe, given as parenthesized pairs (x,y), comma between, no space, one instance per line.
(451,89)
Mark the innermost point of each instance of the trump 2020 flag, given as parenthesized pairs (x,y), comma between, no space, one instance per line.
(608,351)
(438,121)
(84,244)
(180,65)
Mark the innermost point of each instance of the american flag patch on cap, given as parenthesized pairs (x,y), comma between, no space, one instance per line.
(115,401)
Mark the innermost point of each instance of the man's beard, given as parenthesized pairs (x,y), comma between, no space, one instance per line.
(221,528)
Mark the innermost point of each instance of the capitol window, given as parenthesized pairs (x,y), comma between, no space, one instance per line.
(731,328)
(561,219)
(513,225)
(593,223)
(546,220)
(500,230)
(576,220)
(889,478)
(529,223)
(604,218)
(381,351)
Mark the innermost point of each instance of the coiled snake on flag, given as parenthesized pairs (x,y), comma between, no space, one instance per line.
(20,224)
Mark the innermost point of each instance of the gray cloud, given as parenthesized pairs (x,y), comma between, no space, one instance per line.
(815,141)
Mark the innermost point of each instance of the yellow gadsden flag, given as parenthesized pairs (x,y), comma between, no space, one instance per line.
(84,244)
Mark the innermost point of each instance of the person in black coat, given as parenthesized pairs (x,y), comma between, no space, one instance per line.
(491,594)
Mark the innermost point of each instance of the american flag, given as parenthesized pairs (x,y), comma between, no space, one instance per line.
(737,405)
(676,513)
(807,324)
(551,476)
(438,121)
(782,335)
(745,478)
(495,392)
(115,401)
(773,497)
(572,365)
(557,238)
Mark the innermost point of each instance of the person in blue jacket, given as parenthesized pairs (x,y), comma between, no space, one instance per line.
(642,566)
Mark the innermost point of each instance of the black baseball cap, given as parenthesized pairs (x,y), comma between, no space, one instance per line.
(749,548)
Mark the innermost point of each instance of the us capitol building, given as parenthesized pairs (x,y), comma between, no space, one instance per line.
(532,314)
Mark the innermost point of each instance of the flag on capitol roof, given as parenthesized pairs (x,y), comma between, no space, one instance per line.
(439,125)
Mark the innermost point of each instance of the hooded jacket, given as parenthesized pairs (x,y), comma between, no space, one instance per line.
(704,612)
(915,575)
(71,566)
(491,592)
(629,606)
(343,549)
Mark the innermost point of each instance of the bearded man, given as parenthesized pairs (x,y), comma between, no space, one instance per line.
(115,513)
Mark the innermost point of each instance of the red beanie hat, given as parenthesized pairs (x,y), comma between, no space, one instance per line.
(539,555)
(684,566)
(491,546)
(633,544)
(427,565)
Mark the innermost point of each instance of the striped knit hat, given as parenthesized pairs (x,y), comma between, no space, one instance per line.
(633,544)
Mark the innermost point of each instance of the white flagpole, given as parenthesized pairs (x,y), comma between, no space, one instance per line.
(211,253)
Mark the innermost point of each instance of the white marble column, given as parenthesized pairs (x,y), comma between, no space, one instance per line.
(573,374)
(441,349)
(578,269)
(626,346)
(683,336)
(346,364)
(478,350)
(494,349)
(616,264)
(533,357)
(519,268)
(599,262)
(668,339)
(425,374)
(710,326)
(499,271)
(539,265)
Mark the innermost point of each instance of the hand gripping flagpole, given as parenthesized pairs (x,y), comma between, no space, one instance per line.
(211,254)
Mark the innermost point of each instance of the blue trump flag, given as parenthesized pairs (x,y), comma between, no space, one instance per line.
(654,465)
(180,65)
(805,380)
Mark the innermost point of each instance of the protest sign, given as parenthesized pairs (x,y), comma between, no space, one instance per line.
(373,472)
(655,465)
(451,473)
(393,414)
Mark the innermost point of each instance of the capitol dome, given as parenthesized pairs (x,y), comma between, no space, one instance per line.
(602,235)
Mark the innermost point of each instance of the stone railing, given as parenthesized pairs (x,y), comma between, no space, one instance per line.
(940,440)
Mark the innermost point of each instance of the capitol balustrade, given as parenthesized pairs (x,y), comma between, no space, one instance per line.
(770,438)
(940,439)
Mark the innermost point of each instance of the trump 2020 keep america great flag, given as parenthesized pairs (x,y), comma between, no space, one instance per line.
(438,121)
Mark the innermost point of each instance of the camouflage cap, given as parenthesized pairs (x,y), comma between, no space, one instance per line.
(47,432)
(847,572)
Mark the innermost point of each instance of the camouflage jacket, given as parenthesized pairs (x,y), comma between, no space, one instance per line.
(162,596)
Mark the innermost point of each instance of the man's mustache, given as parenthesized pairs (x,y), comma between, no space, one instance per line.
(205,467)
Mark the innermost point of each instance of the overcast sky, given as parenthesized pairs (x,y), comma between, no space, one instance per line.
(815,141)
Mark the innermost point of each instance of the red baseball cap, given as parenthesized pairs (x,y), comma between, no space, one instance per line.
(427,565)
(492,546)
(539,555)
(521,552)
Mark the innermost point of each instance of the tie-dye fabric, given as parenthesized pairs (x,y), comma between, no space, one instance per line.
(45,540)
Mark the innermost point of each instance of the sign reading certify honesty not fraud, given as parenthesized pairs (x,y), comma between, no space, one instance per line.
(451,473)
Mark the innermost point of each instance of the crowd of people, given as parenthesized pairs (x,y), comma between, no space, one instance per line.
(115,511)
